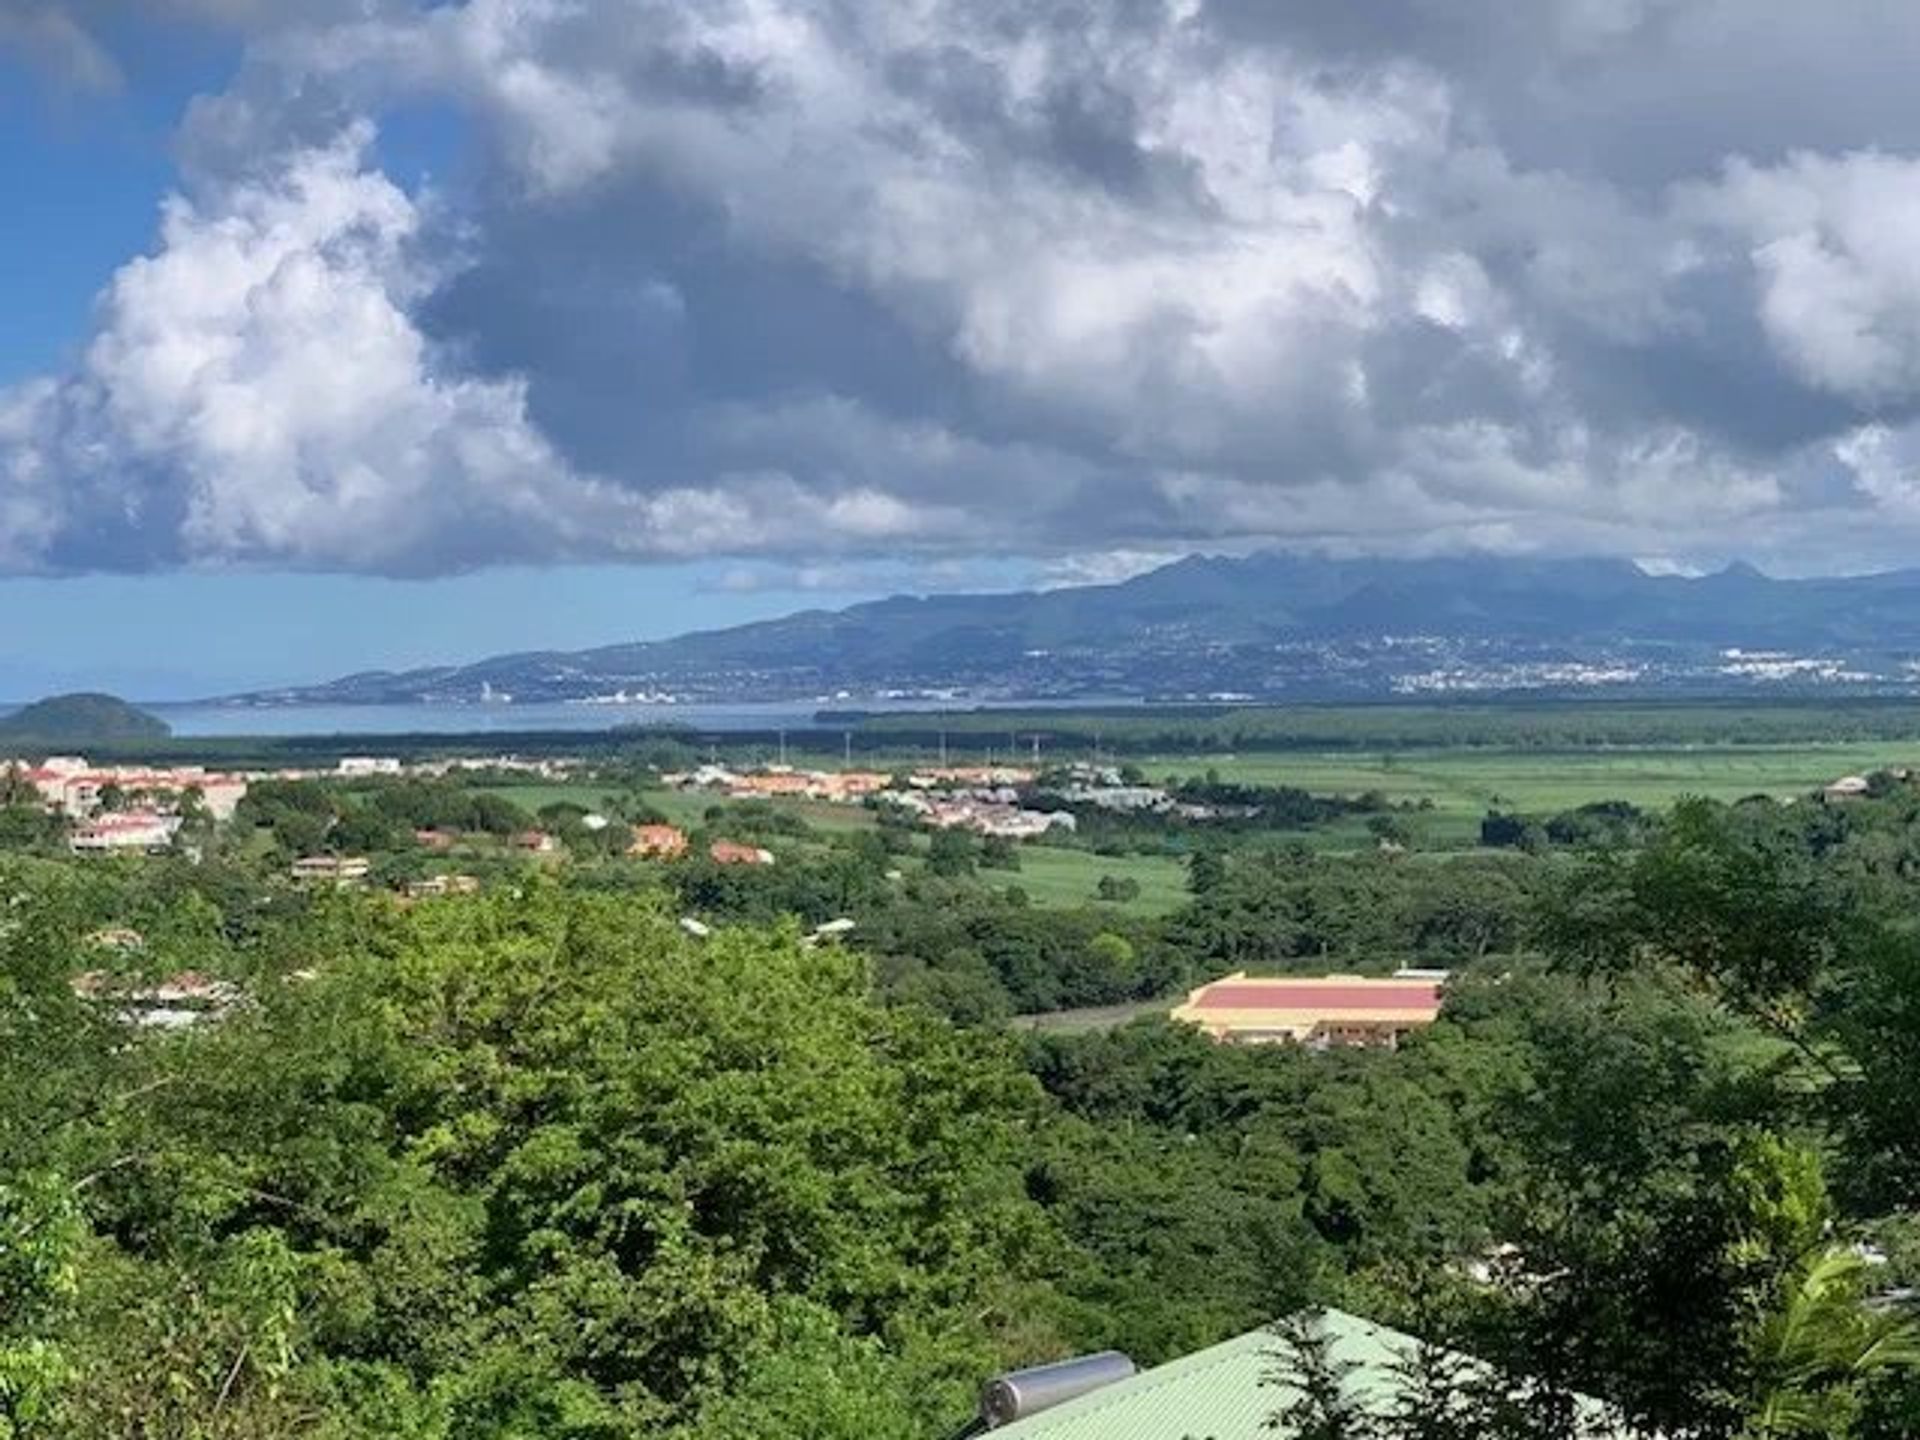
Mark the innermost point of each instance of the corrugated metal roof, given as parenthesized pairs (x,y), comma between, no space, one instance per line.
(1228,1392)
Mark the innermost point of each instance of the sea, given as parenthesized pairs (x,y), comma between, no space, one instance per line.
(204,720)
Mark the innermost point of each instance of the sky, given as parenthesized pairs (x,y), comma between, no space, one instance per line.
(342,334)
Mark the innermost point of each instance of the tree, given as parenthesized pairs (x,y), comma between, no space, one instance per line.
(1434,1399)
(997,852)
(1820,1348)
(1205,870)
(1389,830)
(15,788)
(41,1233)
(951,853)
(545,1165)
(1321,1403)
(1498,831)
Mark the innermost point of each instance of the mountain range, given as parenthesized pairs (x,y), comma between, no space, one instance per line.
(1267,626)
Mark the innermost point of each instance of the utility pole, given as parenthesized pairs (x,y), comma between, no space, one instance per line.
(783,749)
(848,737)
(943,749)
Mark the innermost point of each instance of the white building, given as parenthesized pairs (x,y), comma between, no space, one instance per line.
(72,785)
(360,766)
(134,832)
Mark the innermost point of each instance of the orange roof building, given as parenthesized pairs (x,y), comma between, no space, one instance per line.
(1320,1013)
(728,852)
(658,842)
(773,783)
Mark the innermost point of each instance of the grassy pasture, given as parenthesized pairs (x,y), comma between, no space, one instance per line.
(1058,877)
(1463,783)
(1458,783)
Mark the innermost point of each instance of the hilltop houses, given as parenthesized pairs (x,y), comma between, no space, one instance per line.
(996,812)
(779,782)
(982,798)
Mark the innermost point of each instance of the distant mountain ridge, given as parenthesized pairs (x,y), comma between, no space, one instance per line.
(1264,626)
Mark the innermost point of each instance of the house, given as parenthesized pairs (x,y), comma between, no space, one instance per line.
(73,785)
(357,767)
(848,786)
(1320,1013)
(131,832)
(658,842)
(985,812)
(438,840)
(188,998)
(1237,1390)
(727,852)
(222,794)
(118,937)
(535,842)
(331,869)
(437,885)
(1847,787)
(974,775)
(770,785)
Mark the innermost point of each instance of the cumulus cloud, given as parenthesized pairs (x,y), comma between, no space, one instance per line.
(256,390)
(1086,281)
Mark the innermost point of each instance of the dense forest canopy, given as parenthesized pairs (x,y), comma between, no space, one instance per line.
(545,1161)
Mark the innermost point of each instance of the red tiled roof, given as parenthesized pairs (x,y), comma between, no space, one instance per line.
(1420,995)
(728,852)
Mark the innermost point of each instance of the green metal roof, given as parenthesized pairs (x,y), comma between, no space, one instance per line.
(1227,1392)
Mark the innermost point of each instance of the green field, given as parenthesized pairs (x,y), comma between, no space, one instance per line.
(1052,876)
(1458,785)
(588,795)
(1469,782)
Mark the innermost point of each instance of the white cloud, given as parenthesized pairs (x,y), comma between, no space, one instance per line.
(940,278)
(257,391)
(1835,245)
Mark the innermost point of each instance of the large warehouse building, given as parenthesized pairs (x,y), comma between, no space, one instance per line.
(1320,1012)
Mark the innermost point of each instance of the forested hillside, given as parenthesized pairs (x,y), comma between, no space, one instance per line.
(543,1162)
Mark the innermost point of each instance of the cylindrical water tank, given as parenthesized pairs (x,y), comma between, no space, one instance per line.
(1021,1393)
